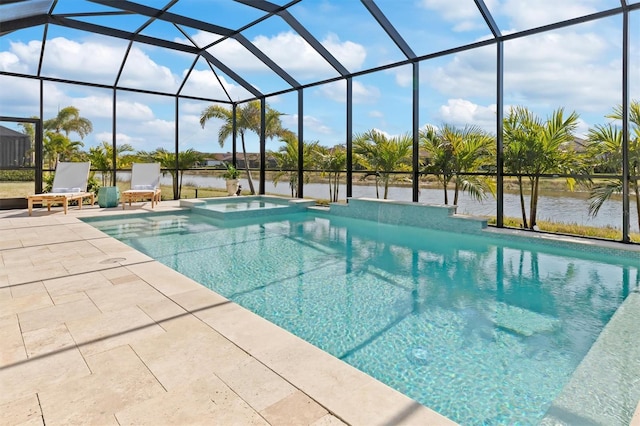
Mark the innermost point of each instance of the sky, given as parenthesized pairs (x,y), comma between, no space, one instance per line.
(578,68)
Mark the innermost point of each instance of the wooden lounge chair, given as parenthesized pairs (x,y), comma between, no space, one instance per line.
(145,184)
(69,183)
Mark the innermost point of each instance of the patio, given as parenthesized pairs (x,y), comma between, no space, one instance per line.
(94,332)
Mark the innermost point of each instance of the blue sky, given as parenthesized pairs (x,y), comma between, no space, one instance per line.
(578,68)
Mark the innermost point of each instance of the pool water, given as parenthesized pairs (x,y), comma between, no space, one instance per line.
(483,331)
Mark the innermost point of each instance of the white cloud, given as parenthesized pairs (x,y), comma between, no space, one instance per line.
(461,112)
(464,14)
(133,111)
(362,94)
(11,62)
(121,139)
(22,57)
(291,52)
(295,55)
(524,15)
(89,60)
(561,68)
(203,83)
(141,72)
(351,55)
(312,125)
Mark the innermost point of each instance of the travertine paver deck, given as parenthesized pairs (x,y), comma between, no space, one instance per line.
(94,332)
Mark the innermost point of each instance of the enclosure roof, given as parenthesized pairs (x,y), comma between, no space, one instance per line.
(235,52)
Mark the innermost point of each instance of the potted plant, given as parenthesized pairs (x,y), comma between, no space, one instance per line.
(231,177)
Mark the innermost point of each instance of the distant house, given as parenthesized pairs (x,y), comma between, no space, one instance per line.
(15,148)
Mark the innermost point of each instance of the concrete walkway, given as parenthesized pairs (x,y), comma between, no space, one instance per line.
(94,332)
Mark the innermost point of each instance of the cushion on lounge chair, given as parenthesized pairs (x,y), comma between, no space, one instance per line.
(66,190)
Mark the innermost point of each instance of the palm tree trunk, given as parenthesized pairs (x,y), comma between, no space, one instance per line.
(522,205)
(446,194)
(455,194)
(386,188)
(246,166)
(534,202)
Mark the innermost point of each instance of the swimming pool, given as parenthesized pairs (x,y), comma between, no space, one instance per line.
(483,330)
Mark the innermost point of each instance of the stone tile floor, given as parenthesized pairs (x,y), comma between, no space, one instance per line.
(94,332)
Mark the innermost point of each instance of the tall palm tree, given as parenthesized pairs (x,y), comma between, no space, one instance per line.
(69,120)
(605,148)
(534,147)
(382,155)
(247,119)
(287,160)
(453,152)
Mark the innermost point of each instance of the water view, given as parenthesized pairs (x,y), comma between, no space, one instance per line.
(564,207)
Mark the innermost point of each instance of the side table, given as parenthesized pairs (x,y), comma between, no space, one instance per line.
(109,196)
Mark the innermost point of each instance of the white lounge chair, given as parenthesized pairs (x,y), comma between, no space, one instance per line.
(145,184)
(69,183)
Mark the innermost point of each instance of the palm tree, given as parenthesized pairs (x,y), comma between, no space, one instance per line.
(69,120)
(533,147)
(167,160)
(454,152)
(247,119)
(101,159)
(332,161)
(287,160)
(30,130)
(605,148)
(58,147)
(382,155)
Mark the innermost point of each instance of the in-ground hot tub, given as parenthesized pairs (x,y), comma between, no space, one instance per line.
(228,208)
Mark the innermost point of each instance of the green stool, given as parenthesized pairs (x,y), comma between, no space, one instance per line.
(109,196)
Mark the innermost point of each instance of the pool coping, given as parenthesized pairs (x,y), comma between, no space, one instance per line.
(125,369)
(334,391)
